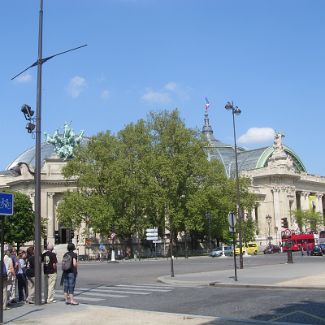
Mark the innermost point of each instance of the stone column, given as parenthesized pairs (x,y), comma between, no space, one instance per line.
(304,200)
(276,205)
(50,218)
(319,203)
(32,198)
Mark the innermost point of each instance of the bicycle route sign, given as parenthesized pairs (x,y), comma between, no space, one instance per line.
(6,204)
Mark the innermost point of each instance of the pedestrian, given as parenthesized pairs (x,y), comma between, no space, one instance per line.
(11,274)
(5,275)
(308,249)
(30,275)
(50,273)
(21,276)
(69,274)
(13,271)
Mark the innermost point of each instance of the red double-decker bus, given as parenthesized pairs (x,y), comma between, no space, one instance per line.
(297,241)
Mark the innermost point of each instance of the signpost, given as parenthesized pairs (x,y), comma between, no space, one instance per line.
(232,223)
(113,235)
(152,235)
(6,209)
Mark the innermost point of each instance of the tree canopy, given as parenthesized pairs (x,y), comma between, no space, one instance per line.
(308,219)
(153,173)
(19,228)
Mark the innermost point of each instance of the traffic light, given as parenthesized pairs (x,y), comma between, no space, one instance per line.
(71,233)
(284,222)
(56,237)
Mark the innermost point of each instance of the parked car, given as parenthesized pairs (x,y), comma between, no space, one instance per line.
(216,252)
(250,248)
(317,251)
(322,246)
(271,249)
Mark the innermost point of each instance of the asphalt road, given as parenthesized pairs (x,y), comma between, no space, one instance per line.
(133,284)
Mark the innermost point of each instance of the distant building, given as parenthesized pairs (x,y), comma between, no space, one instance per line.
(278,178)
(19,176)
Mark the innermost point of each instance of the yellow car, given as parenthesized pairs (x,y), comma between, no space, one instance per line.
(250,248)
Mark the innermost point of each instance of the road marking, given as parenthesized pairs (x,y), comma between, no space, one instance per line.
(101,289)
(157,285)
(88,292)
(135,287)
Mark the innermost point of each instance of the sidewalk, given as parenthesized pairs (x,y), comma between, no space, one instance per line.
(295,275)
(83,314)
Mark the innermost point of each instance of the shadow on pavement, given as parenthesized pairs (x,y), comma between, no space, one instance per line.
(306,312)
(23,315)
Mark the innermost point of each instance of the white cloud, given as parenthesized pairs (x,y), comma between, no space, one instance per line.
(156,97)
(171,86)
(171,91)
(24,78)
(104,94)
(257,135)
(76,86)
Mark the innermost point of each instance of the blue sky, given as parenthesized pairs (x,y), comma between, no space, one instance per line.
(145,55)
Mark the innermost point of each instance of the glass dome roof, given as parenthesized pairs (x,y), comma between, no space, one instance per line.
(247,159)
(28,156)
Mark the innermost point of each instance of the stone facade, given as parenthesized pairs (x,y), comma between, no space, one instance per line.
(277,175)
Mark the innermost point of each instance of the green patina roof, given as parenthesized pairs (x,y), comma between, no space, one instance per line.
(298,164)
(247,159)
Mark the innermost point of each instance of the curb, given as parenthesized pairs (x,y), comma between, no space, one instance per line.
(262,286)
(236,285)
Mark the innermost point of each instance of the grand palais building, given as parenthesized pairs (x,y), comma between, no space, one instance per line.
(277,176)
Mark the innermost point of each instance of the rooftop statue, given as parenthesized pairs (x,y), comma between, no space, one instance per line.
(278,140)
(65,143)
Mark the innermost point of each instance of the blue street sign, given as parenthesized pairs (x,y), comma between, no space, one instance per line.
(6,204)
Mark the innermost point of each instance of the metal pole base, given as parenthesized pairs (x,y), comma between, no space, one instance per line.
(289,256)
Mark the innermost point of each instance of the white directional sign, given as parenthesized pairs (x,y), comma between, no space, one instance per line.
(152,234)
(231,219)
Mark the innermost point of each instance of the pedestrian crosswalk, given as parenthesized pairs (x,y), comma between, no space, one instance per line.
(102,293)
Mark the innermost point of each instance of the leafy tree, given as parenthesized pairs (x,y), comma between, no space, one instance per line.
(308,219)
(152,173)
(299,215)
(249,229)
(19,228)
(93,170)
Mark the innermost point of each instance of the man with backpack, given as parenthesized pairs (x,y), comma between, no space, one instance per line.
(50,273)
(69,275)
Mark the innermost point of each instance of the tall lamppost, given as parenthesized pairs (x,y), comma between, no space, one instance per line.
(37,176)
(236,111)
(208,217)
(268,220)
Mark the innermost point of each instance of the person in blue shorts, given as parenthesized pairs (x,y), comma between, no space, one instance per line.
(70,276)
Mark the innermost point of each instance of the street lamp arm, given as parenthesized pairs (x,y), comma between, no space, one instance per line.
(17,75)
(52,56)
(46,59)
